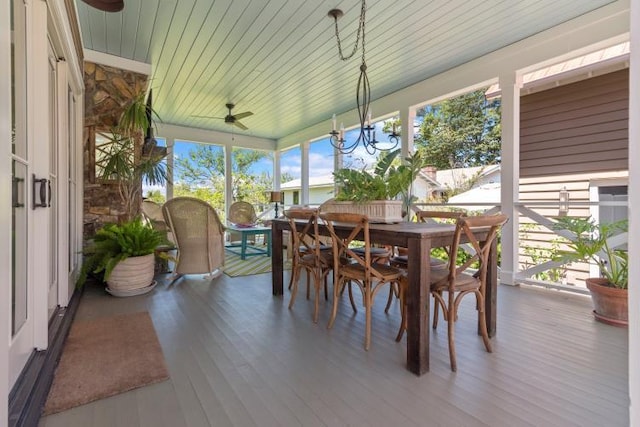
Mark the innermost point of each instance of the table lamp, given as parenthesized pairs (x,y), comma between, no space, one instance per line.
(276,197)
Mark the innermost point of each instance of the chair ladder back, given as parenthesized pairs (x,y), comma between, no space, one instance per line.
(482,249)
(360,225)
(307,240)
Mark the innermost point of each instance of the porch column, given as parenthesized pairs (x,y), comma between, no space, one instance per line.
(634,216)
(304,173)
(510,84)
(170,157)
(276,171)
(228,178)
(338,163)
(407,116)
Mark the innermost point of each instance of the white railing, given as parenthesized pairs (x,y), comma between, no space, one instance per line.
(524,270)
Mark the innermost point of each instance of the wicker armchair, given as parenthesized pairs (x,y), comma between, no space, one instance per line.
(198,233)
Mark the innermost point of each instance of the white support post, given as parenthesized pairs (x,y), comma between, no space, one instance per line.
(170,164)
(304,174)
(277,170)
(510,84)
(38,131)
(228,178)
(338,163)
(407,116)
(634,216)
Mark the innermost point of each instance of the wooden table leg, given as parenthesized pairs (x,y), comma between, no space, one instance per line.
(418,309)
(276,260)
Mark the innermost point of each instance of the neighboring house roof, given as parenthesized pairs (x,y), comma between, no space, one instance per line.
(314,181)
(585,64)
(486,193)
(452,178)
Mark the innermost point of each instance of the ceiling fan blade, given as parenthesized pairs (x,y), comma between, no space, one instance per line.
(240,125)
(243,115)
(208,117)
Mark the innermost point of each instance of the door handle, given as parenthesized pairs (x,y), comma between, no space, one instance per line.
(41,184)
(15,181)
(49,199)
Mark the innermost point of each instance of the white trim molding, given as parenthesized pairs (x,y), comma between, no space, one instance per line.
(117,62)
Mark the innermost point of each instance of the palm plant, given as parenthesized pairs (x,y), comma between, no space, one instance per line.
(590,243)
(127,160)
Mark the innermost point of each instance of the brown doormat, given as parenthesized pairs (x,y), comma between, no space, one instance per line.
(104,357)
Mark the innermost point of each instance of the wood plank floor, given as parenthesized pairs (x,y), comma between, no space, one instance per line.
(238,357)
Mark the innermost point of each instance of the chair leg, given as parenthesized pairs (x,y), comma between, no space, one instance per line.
(295,276)
(353,304)
(317,280)
(451,324)
(483,322)
(403,310)
(367,311)
(308,283)
(390,298)
(436,309)
(334,308)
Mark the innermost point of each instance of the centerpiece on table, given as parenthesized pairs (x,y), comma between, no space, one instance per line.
(385,194)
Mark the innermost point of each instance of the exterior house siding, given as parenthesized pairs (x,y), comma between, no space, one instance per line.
(577,128)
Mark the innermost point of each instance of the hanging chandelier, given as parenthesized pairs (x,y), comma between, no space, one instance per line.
(367,134)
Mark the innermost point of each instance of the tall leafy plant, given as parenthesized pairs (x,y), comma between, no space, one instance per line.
(130,162)
(590,242)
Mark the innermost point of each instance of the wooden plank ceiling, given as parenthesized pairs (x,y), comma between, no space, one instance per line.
(278,58)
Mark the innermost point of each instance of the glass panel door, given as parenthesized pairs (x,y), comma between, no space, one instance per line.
(22,332)
(53,183)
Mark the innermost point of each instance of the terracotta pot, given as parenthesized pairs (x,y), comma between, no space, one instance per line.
(132,273)
(610,303)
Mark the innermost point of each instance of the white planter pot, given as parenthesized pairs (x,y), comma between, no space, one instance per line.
(386,211)
(132,273)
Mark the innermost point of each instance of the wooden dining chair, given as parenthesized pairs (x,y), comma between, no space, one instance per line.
(457,283)
(368,276)
(309,254)
(401,260)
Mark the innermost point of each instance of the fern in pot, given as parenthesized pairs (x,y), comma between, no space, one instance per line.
(124,254)
(590,242)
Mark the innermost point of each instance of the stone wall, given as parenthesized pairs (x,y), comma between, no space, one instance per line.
(107,91)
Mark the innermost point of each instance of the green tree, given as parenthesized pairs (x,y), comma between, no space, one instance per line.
(461,132)
(156,196)
(201,174)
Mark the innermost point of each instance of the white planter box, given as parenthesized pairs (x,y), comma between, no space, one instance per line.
(386,211)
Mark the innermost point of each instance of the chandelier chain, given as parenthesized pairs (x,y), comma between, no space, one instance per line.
(367,133)
(359,34)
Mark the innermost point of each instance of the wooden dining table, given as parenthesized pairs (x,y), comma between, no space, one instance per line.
(419,238)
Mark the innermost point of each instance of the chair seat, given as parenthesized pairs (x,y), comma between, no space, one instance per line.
(326,259)
(357,271)
(312,247)
(463,281)
(402,261)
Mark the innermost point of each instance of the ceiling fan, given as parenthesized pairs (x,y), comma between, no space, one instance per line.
(106,5)
(232,119)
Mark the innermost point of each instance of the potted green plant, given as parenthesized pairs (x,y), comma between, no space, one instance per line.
(384,194)
(124,254)
(589,242)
